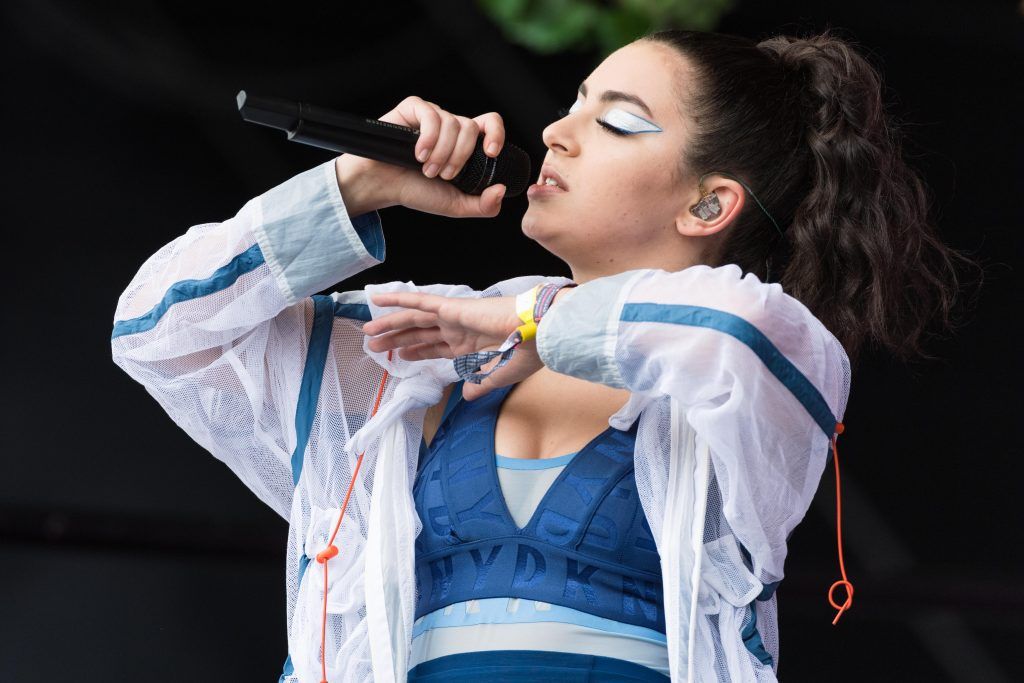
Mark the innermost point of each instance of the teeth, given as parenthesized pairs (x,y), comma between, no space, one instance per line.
(550,181)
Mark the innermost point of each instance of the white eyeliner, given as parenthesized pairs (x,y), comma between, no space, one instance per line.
(628,123)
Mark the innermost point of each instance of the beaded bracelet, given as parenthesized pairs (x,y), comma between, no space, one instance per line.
(531,306)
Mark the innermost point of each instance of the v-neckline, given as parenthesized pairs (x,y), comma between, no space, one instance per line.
(492,464)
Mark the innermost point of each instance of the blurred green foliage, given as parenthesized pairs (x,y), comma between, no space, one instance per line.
(550,26)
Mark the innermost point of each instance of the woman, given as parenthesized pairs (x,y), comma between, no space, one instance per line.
(738,223)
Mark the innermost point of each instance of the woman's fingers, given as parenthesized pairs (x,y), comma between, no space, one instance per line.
(400,321)
(426,351)
(486,205)
(415,112)
(488,318)
(438,131)
(444,145)
(493,128)
(421,300)
(446,139)
(490,200)
(421,311)
(469,132)
(406,338)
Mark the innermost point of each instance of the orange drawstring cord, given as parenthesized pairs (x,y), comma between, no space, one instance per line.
(332,550)
(844,582)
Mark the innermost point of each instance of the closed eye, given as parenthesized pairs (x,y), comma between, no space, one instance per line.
(610,128)
(563,112)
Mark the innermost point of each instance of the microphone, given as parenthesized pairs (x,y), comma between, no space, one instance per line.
(381,141)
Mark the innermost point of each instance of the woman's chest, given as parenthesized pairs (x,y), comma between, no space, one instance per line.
(586,526)
(549,415)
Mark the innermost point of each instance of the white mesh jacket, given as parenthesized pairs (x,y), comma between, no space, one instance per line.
(737,385)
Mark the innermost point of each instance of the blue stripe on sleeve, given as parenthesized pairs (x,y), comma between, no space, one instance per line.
(368,227)
(356,311)
(222,278)
(312,376)
(324,311)
(752,639)
(735,326)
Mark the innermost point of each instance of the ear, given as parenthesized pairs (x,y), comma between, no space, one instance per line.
(730,198)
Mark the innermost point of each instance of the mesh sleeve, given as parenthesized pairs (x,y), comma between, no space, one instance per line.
(755,373)
(215,325)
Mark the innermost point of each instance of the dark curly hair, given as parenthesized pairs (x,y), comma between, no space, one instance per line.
(802,122)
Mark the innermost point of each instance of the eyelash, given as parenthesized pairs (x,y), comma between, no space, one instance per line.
(564,111)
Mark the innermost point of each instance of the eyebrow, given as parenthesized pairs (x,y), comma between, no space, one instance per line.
(618,96)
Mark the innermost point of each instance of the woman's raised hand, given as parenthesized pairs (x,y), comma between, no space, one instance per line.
(445,143)
(433,326)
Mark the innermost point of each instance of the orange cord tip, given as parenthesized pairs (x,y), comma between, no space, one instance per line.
(840,428)
(846,603)
(327,553)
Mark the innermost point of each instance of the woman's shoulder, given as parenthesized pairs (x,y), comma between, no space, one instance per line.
(727,289)
(521,283)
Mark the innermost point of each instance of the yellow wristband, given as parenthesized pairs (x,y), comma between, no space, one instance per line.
(525,303)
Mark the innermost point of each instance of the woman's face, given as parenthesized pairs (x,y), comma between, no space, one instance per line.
(623,195)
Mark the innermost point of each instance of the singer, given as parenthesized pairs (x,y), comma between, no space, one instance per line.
(585,479)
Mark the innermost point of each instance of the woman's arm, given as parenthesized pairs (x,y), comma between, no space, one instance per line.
(220,327)
(756,375)
(216,325)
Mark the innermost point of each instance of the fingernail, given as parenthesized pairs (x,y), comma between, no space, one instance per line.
(448,170)
(422,156)
(492,149)
(431,170)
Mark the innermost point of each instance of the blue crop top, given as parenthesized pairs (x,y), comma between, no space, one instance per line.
(585,551)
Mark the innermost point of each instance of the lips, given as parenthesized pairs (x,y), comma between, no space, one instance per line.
(549,172)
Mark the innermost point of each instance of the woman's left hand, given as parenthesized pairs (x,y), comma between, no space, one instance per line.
(434,326)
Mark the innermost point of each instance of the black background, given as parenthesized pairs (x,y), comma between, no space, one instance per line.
(129,553)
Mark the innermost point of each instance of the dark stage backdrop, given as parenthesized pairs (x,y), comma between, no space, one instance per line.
(129,553)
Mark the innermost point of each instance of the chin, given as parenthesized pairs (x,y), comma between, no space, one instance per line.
(538,230)
(543,234)
(529,225)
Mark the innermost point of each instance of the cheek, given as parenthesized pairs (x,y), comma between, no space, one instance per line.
(630,173)
(629,199)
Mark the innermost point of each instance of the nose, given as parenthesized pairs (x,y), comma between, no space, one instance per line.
(559,136)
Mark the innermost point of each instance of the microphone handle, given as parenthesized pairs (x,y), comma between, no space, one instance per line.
(373,139)
(347,140)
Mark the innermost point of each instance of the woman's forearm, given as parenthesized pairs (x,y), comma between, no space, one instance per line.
(361,191)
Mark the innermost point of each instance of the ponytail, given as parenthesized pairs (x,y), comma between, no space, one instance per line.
(803,122)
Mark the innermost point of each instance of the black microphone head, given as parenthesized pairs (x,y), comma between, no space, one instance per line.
(511,167)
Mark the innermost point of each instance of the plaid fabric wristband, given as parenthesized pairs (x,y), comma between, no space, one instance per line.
(468,365)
